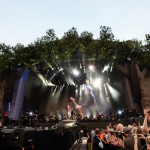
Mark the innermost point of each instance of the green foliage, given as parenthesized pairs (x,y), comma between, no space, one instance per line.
(87,45)
(131,51)
(6,56)
(6,60)
(48,50)
(106,33)
(70,44)
(105,46)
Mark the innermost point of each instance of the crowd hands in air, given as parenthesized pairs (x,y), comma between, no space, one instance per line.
(135,136)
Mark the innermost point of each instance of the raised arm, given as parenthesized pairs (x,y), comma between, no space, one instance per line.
(73,101)
(77,106)
(145,128)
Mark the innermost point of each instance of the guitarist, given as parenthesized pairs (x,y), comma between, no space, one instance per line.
(90,104)
(77,106)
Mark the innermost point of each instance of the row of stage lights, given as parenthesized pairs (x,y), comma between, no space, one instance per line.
(58,76)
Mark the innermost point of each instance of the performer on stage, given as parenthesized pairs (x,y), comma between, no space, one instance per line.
(69,109)
(78,107)
(89,106)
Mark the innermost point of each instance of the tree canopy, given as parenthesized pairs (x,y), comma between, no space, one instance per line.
(73,49)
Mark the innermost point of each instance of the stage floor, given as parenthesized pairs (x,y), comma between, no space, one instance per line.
(67,123)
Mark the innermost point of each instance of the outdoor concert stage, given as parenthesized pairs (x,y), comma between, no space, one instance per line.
(102,123)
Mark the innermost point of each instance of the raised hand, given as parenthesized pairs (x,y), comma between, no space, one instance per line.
(74,102)
(79,107)
(72,99)
(146,110)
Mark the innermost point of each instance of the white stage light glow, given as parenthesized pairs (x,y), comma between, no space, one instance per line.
(91,67)
(119,112)
(76,72)
(106,68)
(96,82)
(30,113)
(114,93)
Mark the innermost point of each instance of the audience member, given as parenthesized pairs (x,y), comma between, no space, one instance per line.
(129,139)
(97,140)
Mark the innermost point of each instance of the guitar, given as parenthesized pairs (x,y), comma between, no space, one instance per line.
(79,107)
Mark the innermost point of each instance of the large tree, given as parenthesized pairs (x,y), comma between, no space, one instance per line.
(7,66)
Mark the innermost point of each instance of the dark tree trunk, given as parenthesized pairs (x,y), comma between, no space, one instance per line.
(141,76)
(144,92)
(2,92)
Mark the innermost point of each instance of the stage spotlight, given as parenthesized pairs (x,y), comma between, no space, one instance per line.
(76,72)
(60,69)
(96,82)
(106,68)
(119,112)
(31,113)
(91,67)
(108,81)
(114,93)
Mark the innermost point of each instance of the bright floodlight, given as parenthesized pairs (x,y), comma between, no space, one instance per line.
(60,69)
(31,113)
(96,82)
(106,68)
(119,112)
(75,72)
(114,93)
(91,67)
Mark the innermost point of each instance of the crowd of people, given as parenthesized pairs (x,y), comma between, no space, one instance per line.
(31,118)
(135,136)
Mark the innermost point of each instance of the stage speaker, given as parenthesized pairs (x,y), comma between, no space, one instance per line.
(19,138)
